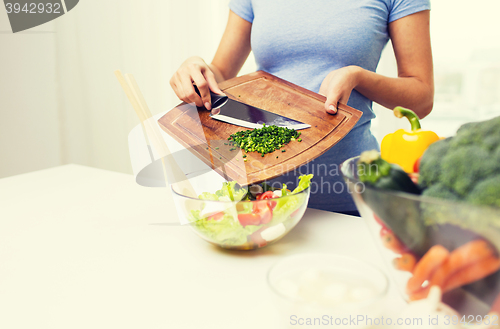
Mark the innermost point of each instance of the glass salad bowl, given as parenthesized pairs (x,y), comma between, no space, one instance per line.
(243,218)
(428,241)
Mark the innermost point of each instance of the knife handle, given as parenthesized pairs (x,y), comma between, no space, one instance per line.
(215,99)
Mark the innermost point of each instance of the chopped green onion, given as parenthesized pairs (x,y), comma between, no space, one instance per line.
(263,140)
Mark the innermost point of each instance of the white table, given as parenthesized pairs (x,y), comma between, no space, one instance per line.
(85,248)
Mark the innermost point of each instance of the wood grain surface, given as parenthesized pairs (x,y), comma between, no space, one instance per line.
(206,137)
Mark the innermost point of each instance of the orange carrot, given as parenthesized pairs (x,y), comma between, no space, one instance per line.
(391,242)
(496,305)
(427,265)
(465,255)
(472,273)
(420,294)
(468,263)
(406,262)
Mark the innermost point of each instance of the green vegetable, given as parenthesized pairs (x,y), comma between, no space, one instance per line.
(291,201)
(430,165)
(228,189)
(466,166)
(227,231)
(486,192)
(263,140)
(440,191)
(304,182)
(376,172)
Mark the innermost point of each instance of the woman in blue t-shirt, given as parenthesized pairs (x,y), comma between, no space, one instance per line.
(331,47)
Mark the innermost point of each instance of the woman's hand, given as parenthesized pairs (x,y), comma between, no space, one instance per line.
(195,70)
(337,87)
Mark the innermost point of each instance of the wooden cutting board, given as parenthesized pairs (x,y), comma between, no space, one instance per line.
(207,138)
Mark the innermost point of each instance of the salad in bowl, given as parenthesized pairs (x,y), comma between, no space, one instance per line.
(244,218)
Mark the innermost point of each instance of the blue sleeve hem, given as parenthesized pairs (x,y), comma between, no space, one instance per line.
(408,11)
(241,12)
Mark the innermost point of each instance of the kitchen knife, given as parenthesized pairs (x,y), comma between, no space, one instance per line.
(244,115)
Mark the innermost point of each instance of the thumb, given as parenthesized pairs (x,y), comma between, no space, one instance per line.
(331,104)
(323,88)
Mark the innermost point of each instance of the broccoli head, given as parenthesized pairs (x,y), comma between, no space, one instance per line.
(430,163)
(462,168)
(466,166)
(486,192)
(479,134)
(440,191)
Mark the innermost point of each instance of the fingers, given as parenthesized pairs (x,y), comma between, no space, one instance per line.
(200,74)
(212,83)
(184,89)
(203,88)
(190,94)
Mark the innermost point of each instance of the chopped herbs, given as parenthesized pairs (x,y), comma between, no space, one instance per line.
(263,140)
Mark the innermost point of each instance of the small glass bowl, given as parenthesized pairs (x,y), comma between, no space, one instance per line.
(327,289)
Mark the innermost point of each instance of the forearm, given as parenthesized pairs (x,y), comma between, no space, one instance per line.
(409,92)
(217,73)
(233,49)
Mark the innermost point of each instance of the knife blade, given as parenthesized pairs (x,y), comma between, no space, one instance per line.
(237,113)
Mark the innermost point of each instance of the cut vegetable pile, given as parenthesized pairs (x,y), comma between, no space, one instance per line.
(264,140)
(249,217)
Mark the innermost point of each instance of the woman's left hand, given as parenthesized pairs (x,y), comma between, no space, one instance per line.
(337,87)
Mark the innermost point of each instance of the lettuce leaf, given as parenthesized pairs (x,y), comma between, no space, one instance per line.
(304,183)
(228,189)
(291,201)
(227,231)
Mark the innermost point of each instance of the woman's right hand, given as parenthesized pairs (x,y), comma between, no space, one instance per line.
(195,70)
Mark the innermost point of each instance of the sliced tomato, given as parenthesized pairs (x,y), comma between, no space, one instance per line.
(261,214)
(264,210)
(216,216)
(249,219)
(268,195)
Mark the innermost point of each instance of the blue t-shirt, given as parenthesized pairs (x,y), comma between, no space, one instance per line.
(301,42)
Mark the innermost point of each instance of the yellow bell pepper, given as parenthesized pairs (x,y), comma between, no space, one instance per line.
(405,147)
